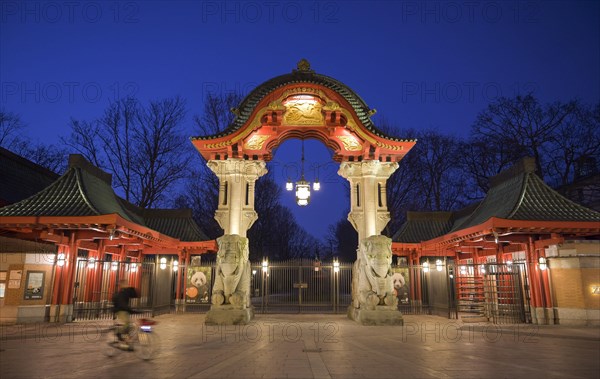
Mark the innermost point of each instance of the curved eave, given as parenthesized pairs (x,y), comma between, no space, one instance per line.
(251,102)
(229,144)
(199,247)
(100,223)
(505,227)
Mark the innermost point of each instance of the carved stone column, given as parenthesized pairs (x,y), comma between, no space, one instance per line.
(368,202)
(373,298)
(235,212)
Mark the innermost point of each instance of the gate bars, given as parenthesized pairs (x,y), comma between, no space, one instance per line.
(492,292)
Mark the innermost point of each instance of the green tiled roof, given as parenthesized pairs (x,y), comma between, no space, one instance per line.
(519,194)
(515,194)
(249,103)
(174,222)
(423,226)
(85,190)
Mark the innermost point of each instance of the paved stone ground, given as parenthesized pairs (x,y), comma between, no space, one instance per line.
(307,346)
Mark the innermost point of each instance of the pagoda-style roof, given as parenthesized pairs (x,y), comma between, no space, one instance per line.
(303,104)
(516,194)
(423,226)
(298,76)
(21,177)
(85,190)
(176,223)
(519,194)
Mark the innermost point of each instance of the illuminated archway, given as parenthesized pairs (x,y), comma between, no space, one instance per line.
(304,104)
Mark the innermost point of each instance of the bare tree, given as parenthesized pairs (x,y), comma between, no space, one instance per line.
(522,122)
(11,127)
(12,138)
(144,147)
(576,139)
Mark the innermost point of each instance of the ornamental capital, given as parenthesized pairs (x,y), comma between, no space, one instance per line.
(367,168)
(250,170)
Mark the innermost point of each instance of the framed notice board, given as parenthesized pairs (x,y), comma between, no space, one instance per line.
(34,288)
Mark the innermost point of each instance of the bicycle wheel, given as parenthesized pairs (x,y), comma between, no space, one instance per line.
(147,345)
(109,342)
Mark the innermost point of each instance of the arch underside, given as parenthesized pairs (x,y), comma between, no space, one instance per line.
(303,111)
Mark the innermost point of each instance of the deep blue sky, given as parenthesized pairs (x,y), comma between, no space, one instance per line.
(421,65)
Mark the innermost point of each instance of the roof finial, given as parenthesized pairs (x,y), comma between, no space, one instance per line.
(303,66)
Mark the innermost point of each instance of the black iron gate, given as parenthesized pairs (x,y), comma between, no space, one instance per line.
(301,286)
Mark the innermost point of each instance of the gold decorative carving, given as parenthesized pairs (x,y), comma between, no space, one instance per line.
(331,106)
(303,112)
(217,145)
(350,125)
(275,105)
(350,143)
(303,65)
(256,142)
(303,91)
(389,147)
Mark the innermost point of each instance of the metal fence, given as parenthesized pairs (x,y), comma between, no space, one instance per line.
(492,292)
(96,282)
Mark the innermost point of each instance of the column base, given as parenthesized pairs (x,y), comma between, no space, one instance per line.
(227,315)
(542,316)
(381,315)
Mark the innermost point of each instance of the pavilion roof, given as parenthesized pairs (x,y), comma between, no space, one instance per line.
(85,190)
(515,194)
(21,177)
(423,226)
(299,76)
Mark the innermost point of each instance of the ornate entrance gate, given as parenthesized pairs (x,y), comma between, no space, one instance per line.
(303,105)
(301,286)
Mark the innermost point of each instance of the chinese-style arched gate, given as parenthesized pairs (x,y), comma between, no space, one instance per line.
(303,104)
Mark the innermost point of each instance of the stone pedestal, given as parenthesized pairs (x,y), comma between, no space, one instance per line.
(381,315)
(227,315)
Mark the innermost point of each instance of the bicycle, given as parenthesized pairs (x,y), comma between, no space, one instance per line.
(140,339)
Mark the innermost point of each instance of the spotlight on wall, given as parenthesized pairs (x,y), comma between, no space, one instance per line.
(60,260)
(175,266)
(426,266)
(542,262)
(509,266)
(438,264)
(163,263)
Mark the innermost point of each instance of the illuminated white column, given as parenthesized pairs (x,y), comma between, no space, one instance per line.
(368,208)
(235,213)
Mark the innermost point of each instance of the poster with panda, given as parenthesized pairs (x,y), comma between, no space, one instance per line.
(198,285)
(400,280)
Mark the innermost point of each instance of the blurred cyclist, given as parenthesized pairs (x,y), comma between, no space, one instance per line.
(122,309)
